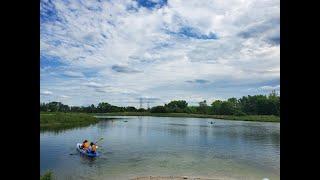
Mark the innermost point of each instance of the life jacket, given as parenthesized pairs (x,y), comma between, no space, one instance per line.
(93,148)
(86,145)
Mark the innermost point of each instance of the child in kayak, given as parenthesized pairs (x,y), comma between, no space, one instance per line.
(85,144)
(92,148)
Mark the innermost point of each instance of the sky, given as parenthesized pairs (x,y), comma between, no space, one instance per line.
(119,51)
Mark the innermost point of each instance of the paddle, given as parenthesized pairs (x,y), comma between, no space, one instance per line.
(99,140)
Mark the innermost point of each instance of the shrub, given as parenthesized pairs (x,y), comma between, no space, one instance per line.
(47,176)
(158,109)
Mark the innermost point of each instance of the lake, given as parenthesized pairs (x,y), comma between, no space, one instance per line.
(166,146)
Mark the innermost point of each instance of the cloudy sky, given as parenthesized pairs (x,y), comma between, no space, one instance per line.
(117,51)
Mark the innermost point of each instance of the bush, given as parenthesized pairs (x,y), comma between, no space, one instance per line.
(47,176)
(239,113)
(158,109)
(141,110)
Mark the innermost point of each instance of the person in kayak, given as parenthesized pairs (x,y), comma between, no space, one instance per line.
(85,144)
(93,148)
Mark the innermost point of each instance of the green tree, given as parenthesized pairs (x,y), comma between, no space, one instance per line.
(177,106)
(130,109)
(216,106)
(203,107)
(227,108)
(158,109)
(103,107)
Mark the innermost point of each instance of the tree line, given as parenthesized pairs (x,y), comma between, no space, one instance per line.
(247,105)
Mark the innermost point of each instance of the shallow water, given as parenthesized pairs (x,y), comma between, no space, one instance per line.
(166,146)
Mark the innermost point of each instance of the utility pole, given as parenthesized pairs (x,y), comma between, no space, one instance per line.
(140,103)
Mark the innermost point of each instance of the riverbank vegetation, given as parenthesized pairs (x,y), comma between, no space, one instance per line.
(47,176)
(252,108)
(261,118)
(61,120)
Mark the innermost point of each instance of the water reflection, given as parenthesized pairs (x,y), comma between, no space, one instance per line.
(180,132)
(87,160)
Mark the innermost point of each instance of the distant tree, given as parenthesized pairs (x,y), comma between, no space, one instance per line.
(43,107)
(158,109)
(75,109)
(227,108)
(192,109)
(255,105)
(103,107)
(54,106)
(130,109)
(141,110)
(64,108)
(274,100)
(216,106)
(203,103)
(203,107)
(177,104)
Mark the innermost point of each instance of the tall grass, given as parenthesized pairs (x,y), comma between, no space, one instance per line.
(60,120)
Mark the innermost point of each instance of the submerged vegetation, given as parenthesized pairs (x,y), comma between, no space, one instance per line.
(60,120)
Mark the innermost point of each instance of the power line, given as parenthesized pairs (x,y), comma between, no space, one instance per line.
(140,103)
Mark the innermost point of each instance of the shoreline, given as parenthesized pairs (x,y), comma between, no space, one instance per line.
(254,118)
(56,121)
(61,121)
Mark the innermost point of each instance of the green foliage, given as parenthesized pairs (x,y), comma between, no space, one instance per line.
(192,109)
(227,108)
(176,106)
(47,176)
(158,109)
(216,106)
(247,105)
(130,109)
(260,104)
(141,110)
(60,120)
(252,105)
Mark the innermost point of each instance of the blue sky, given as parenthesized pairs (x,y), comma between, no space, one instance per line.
(161,50)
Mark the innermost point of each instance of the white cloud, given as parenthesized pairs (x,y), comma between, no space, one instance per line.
(46,93)
(94,85)
(268,88)
(154,52)
(65,97)
(73,74)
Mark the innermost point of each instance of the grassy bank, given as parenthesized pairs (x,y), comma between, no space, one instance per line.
(261,118)
(60,121)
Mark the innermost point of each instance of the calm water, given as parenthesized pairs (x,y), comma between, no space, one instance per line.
(166,146)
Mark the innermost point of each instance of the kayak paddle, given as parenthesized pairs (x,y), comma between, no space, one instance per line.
(99,140)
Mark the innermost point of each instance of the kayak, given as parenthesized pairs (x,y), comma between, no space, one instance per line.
(89,154)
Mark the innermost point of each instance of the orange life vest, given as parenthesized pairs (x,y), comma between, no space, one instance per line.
(93,148)
(86,145)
